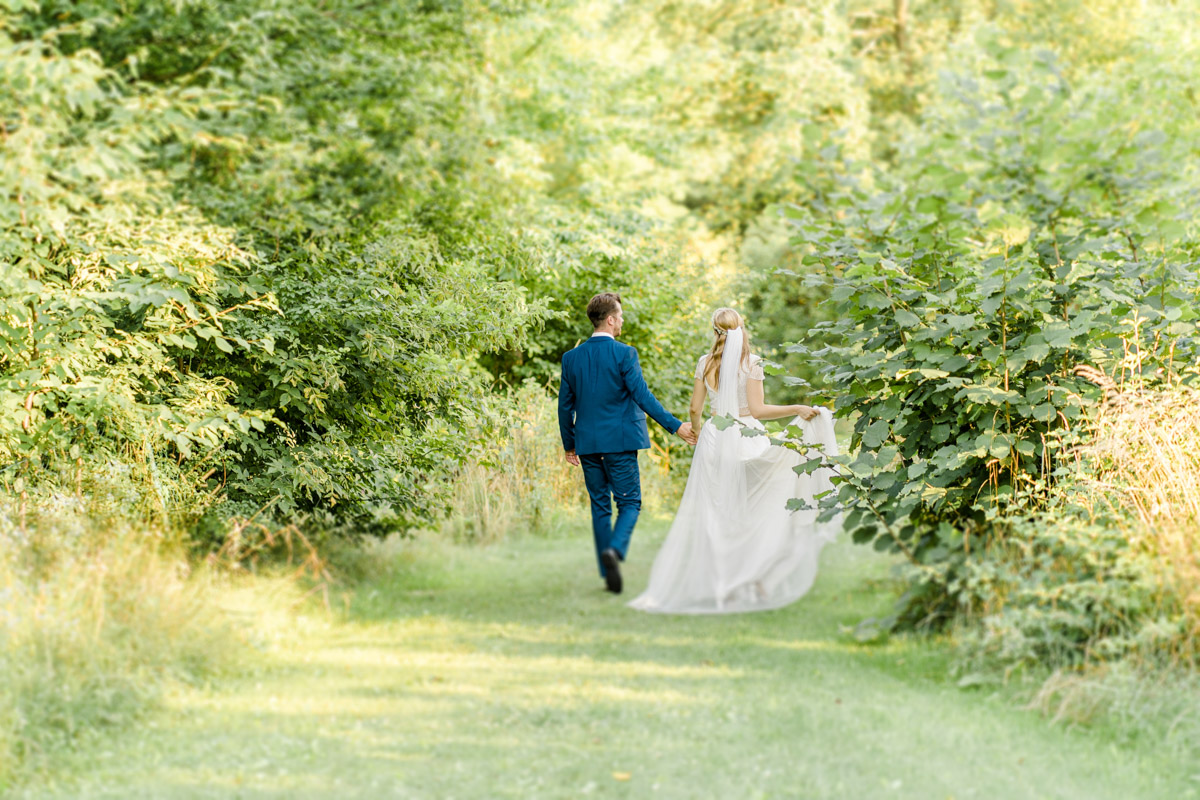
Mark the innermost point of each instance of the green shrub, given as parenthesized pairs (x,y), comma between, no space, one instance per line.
(259,237)
(1052,590)
(1029,226)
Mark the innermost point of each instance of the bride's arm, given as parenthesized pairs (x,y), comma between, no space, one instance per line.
(699,394)
(760,410)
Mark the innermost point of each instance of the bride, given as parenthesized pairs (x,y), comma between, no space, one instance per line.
(734,545)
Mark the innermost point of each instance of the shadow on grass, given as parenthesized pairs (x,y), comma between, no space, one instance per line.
(524,599)
(509,672)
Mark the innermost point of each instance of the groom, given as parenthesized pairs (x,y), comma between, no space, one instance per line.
(602,405)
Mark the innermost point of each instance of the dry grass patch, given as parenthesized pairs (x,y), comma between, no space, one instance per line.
(1145,465)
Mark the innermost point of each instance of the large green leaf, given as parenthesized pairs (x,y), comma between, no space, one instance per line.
(875,434)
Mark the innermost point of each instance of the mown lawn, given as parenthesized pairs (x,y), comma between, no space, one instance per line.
(508,672)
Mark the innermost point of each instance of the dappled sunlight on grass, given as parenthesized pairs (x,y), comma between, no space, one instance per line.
(806,645)
(582,666)
(478,685)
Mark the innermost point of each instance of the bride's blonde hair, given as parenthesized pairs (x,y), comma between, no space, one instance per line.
(724,320)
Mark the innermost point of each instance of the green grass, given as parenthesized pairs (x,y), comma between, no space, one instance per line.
(508,672)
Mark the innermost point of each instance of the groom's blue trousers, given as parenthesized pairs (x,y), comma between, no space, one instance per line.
(610,476)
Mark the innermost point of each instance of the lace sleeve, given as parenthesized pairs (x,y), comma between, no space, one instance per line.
(756,369)
(700,367)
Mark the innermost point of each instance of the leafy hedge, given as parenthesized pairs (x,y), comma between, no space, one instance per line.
(1028,226)
(253,237)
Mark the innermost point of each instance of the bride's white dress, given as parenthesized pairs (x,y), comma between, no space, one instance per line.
(734,545)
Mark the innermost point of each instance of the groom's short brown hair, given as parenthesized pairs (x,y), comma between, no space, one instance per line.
(602,306)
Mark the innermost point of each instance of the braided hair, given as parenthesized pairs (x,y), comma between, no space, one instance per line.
(724,320)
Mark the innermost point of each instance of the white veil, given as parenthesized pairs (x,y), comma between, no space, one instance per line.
(727,386)
(726,481)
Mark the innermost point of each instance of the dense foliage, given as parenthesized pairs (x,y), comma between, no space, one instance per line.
(1028,226)
(255,237)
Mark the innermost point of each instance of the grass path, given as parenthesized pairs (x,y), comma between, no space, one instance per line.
(508,672)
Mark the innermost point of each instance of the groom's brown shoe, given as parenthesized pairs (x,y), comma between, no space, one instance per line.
(612,570)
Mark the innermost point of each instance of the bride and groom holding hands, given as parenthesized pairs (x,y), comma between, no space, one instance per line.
(733,546)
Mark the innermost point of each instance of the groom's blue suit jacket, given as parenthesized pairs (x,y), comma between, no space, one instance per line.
(603,400)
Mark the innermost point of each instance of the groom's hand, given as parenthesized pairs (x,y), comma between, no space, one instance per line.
(685,432)
(572,459)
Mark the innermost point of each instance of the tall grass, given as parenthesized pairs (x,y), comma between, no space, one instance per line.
(97,612)
(1137,702)
(1141,476)
(1145,459)
(519,480)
